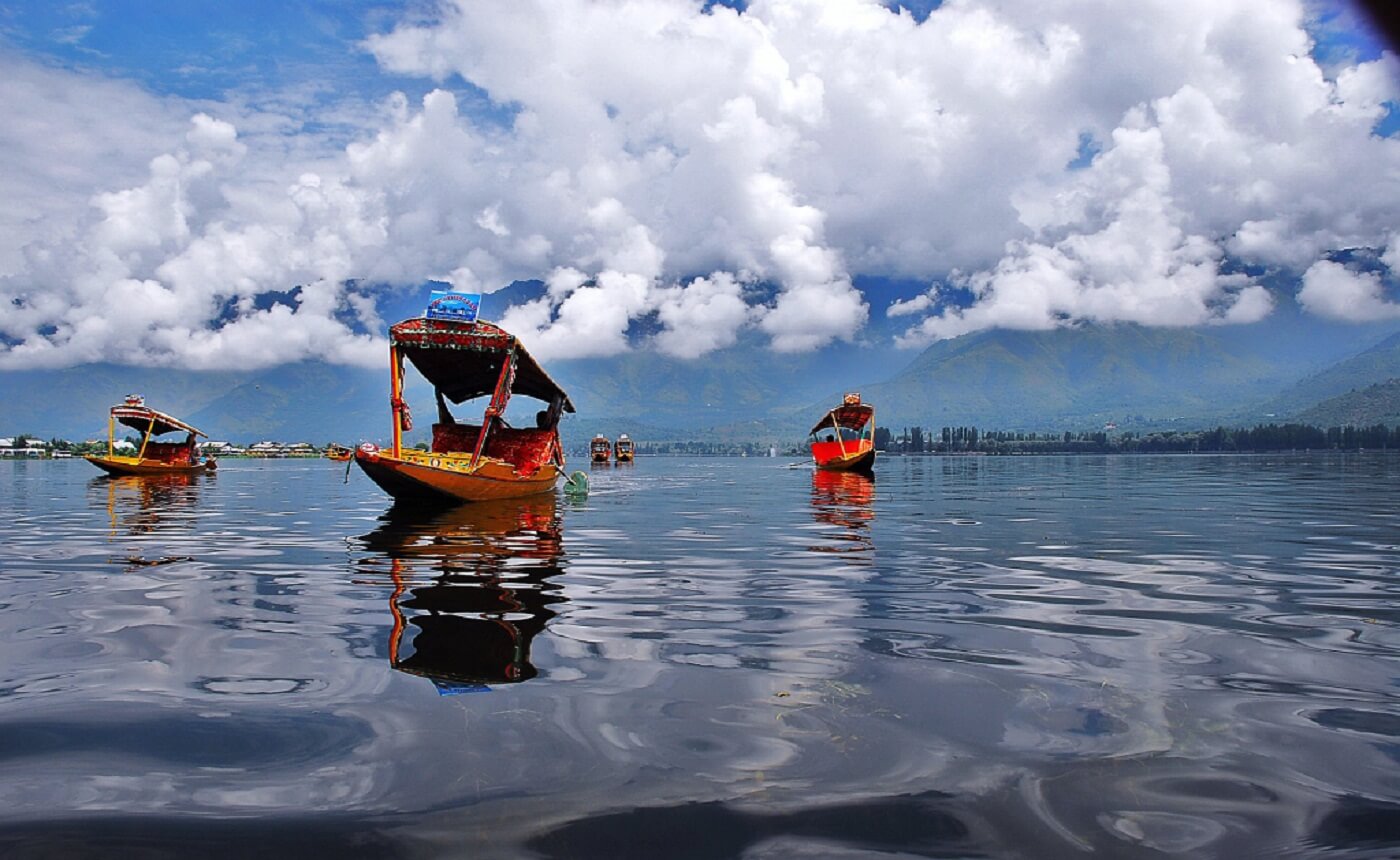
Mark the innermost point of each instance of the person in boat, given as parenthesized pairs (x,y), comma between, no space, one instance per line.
(545,419)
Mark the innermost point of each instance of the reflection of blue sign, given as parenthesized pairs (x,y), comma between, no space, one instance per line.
(454,306)
(457,688)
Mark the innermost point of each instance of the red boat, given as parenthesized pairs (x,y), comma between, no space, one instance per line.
(600,449)
(468,462)
(844,440)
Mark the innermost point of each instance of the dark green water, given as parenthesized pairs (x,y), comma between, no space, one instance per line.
(1034,657)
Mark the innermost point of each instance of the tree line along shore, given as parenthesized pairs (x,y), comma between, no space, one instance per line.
(1261,437)
(908,440)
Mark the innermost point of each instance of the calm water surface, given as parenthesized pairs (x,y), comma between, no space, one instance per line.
(710,658)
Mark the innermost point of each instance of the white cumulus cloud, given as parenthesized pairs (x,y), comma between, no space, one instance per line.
(707,171)
(1332,290)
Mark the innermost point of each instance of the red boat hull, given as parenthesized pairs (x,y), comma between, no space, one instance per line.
(852,456)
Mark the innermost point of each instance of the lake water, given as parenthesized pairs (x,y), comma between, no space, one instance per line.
(1035,657)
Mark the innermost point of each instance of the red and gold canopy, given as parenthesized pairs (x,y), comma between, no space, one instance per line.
(851,415)
(141,417)
(463,360)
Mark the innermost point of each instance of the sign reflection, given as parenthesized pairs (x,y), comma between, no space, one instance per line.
(470,588)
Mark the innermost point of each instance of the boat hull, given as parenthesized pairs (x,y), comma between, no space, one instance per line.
(860,459)
(452,480)
(136,466)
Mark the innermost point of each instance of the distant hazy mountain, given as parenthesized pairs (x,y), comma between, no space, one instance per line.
(742,383)
(1133,376)
(742,392)
(1370,367)
(72,403)
(305,402)
(1364,407)
(1070,378)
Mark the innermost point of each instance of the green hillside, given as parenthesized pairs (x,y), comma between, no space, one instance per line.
(308,402)
(73,402)
(1063,379)
(1074,378)
(1364,407)
(1374,366)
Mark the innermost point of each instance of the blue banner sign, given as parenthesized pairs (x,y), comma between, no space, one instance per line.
(462,307)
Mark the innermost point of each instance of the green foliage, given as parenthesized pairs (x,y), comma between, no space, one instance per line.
(1312,396)
(1261,437)
(1375,404)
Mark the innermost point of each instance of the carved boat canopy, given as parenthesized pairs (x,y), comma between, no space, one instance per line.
(140,417)
(463,360)
(851,417)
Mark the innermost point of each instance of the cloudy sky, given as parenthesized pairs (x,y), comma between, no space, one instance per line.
(173,170)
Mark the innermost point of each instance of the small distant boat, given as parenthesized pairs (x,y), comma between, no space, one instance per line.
(339,453)
(466,359)
(844,440)
(624,450)
(600,449)
(152,457)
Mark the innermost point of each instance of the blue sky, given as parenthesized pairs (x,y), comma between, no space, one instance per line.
(175,163)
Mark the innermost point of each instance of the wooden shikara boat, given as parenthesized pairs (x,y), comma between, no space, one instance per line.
(152,457)
(844,440)
(600,449)
(468,462)
(339,453)
(624,449)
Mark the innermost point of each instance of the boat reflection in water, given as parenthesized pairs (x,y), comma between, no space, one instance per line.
(845,500)
(149,504)
(470,588)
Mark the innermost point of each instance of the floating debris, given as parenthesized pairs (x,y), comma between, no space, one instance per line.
(138,561)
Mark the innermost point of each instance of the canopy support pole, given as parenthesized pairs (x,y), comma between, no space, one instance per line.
(141,455)
(839,440)
(396,611)
(111,434)
(396,397)
(497,407)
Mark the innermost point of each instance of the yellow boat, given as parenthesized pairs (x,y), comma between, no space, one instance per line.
(339,453)
(153,457)
(623,449)
(468,462)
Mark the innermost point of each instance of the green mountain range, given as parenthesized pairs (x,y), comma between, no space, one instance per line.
(1365,407)
(1075,378)
(1373,366)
